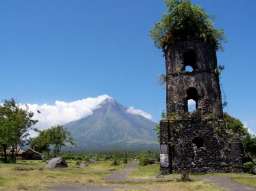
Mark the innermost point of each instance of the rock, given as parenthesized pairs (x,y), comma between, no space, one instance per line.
(92,161)
(83,165)
(57,162)
(254,170)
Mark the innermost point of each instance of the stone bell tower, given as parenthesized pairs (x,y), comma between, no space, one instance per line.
(193,135)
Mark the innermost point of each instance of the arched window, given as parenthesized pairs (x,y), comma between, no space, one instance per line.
(189,69)
(192,100)
(191,105)
(198,141)
(189,61)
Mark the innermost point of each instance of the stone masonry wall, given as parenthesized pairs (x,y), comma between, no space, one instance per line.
(197,141)
(201,146)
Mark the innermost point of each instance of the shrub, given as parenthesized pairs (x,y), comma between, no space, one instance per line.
(146,159)
(125,160)
(115,162)
(248,166)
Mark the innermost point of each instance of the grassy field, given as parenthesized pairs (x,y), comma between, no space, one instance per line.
(32,176)
(173,184)
(146,172)
(151,171)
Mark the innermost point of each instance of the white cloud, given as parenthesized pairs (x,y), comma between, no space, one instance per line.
(142,113)
(62,112)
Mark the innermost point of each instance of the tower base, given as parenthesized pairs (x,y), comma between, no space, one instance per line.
(199,147)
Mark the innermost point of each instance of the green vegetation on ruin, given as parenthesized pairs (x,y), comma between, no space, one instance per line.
(184,20)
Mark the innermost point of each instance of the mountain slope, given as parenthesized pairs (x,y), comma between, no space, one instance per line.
(111,127)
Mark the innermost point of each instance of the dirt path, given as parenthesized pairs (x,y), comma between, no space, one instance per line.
(228,184)
(116,177)
(122,175)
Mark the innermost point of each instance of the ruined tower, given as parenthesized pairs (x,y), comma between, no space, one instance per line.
(193,135)
(195,138)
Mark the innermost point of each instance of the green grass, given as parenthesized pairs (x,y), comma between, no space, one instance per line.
(31,176)
(146,171)
(2,181)
(250,181)
(151,172)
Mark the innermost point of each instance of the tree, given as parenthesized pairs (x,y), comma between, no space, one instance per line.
(235,125)
(248,140)
(250,145)
(157,127)
(59,137)
(15,124)
(55,137)
(42,142)
(157,130)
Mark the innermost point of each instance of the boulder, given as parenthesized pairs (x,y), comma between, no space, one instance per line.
(57,162)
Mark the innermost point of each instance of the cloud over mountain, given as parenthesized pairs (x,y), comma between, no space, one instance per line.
(142,113)
(62,112)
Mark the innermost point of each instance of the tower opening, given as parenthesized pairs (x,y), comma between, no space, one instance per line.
(192,100)
(198,141)
(189,69)
(189,61)
(192,105)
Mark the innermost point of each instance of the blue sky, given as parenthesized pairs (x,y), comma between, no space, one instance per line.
(67,50)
